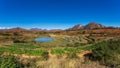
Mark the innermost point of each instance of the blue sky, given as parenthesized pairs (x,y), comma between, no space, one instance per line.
(58,14)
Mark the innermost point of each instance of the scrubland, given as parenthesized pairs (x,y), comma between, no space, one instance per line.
(70,49)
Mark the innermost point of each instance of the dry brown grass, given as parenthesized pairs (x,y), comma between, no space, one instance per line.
(67,63)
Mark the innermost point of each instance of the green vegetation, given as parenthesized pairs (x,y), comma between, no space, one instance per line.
(72,55)
(72,50)
(27,49)
(58,51)
(108,53)
(63,52)
(23,45)
(9,62)
(45,55)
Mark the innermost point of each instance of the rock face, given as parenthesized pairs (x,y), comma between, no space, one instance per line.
(94,25)
(77,27)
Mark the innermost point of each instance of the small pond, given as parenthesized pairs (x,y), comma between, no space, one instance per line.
(44,39)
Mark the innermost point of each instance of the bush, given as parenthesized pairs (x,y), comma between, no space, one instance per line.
(108,53)
(45,55)
(9,62)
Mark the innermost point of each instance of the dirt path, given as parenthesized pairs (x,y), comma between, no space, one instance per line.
(81,54)
(51,55)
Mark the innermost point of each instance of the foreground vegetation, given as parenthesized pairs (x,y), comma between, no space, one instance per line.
(22,49)
(108,53)
(70,49)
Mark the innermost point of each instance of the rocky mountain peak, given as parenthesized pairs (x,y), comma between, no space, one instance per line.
(94,25)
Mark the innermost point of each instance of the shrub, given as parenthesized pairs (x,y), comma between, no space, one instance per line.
(9,62)
(108,53)
(45,55)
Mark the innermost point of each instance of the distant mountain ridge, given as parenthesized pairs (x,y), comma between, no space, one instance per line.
(91,25)
(36,29)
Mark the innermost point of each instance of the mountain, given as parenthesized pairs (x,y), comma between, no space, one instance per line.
(91,25)
(94,25)
(17,29)
(36,29)
(76,27)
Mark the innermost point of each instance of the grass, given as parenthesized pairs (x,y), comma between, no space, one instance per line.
(66,50)
(22,51)
(27,49)
(58,51)
(25,46)
(66,63)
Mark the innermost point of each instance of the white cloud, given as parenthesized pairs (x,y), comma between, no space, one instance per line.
(4,27)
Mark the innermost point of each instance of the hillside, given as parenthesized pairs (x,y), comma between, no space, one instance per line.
(94,25)
(89,26)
